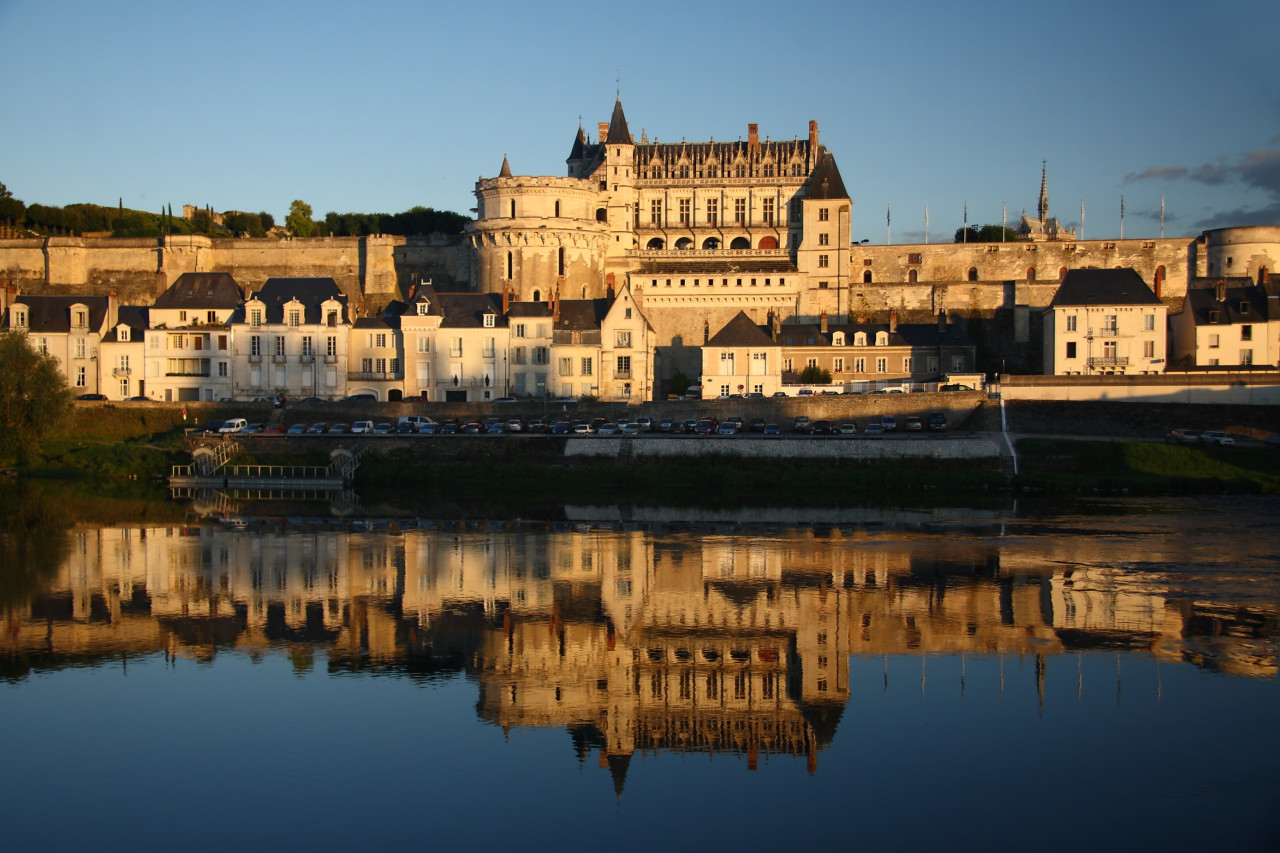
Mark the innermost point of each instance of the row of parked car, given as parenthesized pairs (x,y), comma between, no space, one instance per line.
(422,425)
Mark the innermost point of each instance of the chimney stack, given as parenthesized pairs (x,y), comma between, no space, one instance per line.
(604,130)
(824,322)
(506,299)
(753,137)
(813,137)
(1221,290)
(893,321)
(942,322)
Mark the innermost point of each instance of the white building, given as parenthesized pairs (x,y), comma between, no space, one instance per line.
(1227,322)
(188,339)
(1104,321)
(291,338)
(70,328)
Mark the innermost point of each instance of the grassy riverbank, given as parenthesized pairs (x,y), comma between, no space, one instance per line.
(1071,465)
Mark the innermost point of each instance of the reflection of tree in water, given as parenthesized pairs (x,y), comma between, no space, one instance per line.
(34,543)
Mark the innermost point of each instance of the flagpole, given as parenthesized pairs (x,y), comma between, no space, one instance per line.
(1121,217)
(1081,218)
(965,231)
(1004,219)
(888,232)
(1161,216)
(926,223)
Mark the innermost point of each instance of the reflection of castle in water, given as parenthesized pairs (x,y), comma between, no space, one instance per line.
(631,640)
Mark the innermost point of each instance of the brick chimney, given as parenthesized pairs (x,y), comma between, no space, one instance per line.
(753,137)
(813,137)
(824,322)
(1221,290)
(942,322)
(506,299)
(893,321)
(604,130)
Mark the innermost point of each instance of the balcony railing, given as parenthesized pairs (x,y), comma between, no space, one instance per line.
(188,373)
(279,359)
(255,359)
(622,374)
(330,359)
(684,254)
(121,371)
(1107,333)
(1108,361)
(307,358)
(374,376)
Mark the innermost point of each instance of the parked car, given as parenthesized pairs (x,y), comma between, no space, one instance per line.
(952,386)
(1215,437)
(889,422)
(336,429)
(914,424)
(823,427)
(359,427)
(779,393)
(234,425)
(316,429)
(645,423)
(937,421)
(632,428)
(849,428)
(756,425)
(666,425)
(564,400)
(1272,440)
(359,398)
(727,428)
(705,426)
(873,431)
(406,429)
(98,397)
(383,429)
(772,429)
(273,429)
(506,400)
(211,426)
(1182,436)
(801,424)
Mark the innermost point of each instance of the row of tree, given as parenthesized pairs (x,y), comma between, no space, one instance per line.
(415,220)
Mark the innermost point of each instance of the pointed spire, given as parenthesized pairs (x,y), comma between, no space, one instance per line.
(506,168)
(618,133)
(1043,208)
(618,765)
(579,144)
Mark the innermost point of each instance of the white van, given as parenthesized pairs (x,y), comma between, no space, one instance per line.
(234,425)
(362,426)
(416,420)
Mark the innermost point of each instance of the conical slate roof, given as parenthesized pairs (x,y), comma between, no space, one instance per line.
(825,182)
(618,132)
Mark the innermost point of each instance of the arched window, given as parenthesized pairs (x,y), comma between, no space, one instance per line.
(1031,273)
(768,243)
(973,273)
(740,243)
(913,276)
(601,215)
(866,277)
(1062,273)
(584,291)
(557,210)
(510,265)
(711,243)
(537,296)
(513,208)
(655,243)
(560,259)
(684,243)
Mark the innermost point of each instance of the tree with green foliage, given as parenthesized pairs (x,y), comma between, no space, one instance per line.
(244,224)
(34,398)
(11,209)
(814,375)
(299,219)
(268,221)
(987,234)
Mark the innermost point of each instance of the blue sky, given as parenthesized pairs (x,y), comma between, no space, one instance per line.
(382,107)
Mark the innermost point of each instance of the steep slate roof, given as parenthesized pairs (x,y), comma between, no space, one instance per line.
(579,145)
(825,182)
(618,133)
(741,332)
(312,292)
(1097,287)
(136,317)
(424,293)
(201,290)
(467,310)
(1203,300)
(580,315)
(529,310)
(52,314)
(908,334)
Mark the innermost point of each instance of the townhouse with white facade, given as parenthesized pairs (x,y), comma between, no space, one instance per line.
(375,357)
(1227,322)
(122,355)
(188,339)
(741,358)
(1104,321)
(627,343)
(291,338)
(420,322)
(70,328)
(471,348)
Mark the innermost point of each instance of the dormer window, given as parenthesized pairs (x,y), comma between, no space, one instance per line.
(882,339)
(859,339)
(837,339)
(19,318)
(488,321)
(182,316)
(1244,307)
(423,308)
(255,316)
(123,334)
(81,318)
(295,317)
(1213,315)
(331,318)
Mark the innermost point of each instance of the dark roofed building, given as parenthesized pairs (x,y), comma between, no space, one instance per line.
(1105,322)
(1227,322)
(201,291)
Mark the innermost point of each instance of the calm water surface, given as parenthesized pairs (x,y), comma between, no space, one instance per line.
(989,680)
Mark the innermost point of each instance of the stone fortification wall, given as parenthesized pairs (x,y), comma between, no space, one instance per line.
(1245,250)
(379,268)
(1216,389)
(746,447)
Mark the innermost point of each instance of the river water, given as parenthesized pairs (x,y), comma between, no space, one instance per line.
(1100,676)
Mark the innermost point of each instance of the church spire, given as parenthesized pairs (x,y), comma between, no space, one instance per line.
(506,168)
(1043,208)
(618,132)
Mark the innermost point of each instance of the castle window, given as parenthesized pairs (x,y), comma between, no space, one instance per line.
(601,215)
(557,210)
(822,285)
(1031,273)
(797,209)
(823,214)
(739,210)
(866,277)
(740,243)
(973,273)
(768,170)
(913,276)
(795,170)
(537,296)
(824,260)
(711,243)
(655,212)
(1159,280)
(766,210)
(882,340)
(513,208)
(684,211)
(488,324)
(713,211)
(510,265)
(655,243)
(824,239)
(560,260)
(859,340)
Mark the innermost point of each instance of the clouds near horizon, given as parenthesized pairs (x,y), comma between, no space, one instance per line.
(1254,170)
